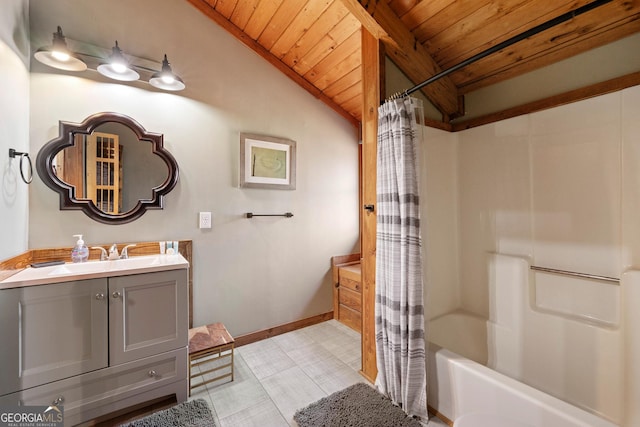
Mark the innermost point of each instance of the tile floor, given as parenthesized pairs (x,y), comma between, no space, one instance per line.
(277,376)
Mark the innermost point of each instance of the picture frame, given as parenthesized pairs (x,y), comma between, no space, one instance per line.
(267,162)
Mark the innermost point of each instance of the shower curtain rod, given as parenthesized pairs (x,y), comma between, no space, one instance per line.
(515,39)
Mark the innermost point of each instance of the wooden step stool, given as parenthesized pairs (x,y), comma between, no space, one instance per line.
(210,343)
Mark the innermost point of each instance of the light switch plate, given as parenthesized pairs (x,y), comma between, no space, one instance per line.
(205,219)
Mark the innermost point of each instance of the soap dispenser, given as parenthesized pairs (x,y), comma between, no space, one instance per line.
(80,252)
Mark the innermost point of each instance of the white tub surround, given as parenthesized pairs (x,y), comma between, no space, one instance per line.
(572,352)
(631,331)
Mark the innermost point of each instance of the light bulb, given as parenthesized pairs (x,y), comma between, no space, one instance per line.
(119,67)
(165,79)
(60,56)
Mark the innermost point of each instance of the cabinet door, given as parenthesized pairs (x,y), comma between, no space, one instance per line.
(148,314)
(50,332)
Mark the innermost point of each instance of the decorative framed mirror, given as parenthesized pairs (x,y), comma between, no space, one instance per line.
(109,167)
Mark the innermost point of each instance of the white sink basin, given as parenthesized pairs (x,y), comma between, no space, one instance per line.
(94,269)
(111,265)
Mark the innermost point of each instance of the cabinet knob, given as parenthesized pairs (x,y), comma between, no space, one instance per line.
(153,373)
(100,296)
(116,294)
(58,400)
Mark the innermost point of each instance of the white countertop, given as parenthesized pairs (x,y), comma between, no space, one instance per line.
(94,269)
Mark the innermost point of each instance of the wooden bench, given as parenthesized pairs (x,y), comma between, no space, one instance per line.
(210,344)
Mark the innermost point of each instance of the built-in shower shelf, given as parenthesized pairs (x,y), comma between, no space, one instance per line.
(584,299)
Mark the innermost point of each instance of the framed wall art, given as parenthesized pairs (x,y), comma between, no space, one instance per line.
(267,162)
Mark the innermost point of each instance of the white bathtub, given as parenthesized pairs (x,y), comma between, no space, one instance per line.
(459,386)
(561,336)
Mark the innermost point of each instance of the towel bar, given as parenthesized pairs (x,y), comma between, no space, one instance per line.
(576,274)
(286,215)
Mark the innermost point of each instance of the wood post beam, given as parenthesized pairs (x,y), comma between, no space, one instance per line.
(407,53)
(371,101)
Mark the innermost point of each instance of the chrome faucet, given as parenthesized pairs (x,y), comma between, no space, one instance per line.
(103,253)
(113,252)
(125,254)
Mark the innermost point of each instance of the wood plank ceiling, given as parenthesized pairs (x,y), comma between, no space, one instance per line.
(317,43)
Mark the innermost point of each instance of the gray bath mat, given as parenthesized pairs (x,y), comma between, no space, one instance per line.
(194,413)
(356,406)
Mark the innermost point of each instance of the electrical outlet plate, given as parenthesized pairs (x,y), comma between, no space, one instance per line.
(205,219)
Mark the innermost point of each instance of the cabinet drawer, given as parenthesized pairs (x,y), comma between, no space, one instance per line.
(350,277)
(350,317)
(350,284)
(350,298)
(82,393)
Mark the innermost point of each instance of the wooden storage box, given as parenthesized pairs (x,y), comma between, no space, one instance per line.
(347,291)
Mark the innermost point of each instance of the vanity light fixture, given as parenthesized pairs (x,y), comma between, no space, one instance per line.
(113,64)
(117,67)
(59,56)
(166,79)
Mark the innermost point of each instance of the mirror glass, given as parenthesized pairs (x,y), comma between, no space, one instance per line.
(109,167)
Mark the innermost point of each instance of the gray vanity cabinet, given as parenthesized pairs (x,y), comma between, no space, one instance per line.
(95,346)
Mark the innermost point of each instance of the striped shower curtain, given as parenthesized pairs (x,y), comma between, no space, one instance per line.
(399,309)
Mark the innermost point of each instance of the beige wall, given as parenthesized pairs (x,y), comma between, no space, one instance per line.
(14,125)
(606,62)
(250,274)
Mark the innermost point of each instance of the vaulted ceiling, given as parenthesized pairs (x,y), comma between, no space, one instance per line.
(317,43)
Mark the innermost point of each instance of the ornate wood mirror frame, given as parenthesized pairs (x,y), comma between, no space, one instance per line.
(67,137)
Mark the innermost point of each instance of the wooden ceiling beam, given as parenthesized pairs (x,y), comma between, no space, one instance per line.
(406,52)
(208,10)
(535,54)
